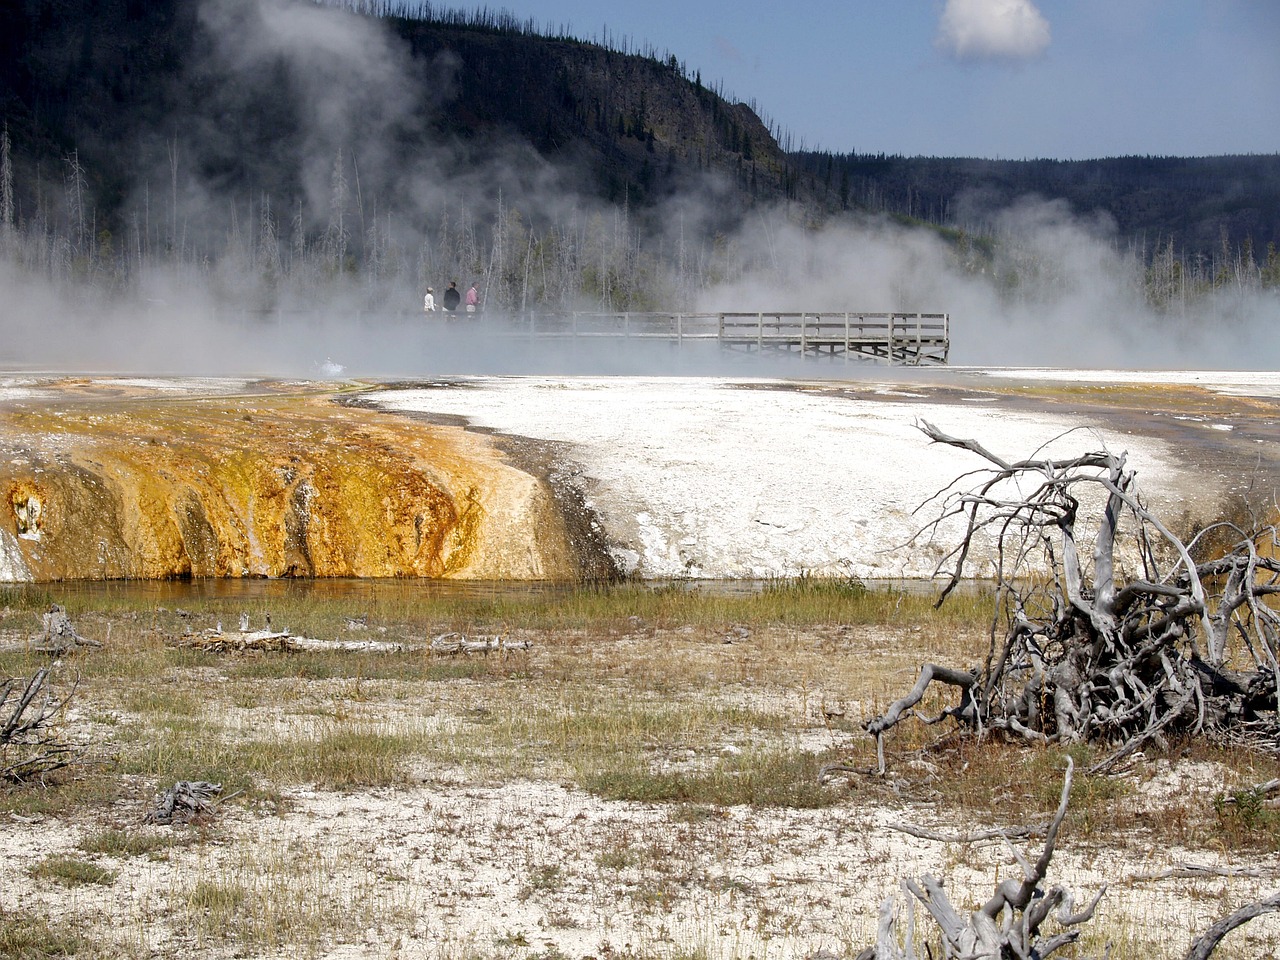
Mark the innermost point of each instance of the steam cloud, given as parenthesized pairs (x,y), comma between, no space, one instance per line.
(1059,291)
(993,30)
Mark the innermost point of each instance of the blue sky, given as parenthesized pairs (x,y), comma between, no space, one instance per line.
(1010,79)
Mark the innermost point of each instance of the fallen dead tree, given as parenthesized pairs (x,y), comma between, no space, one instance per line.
(216,640)
(276,641)
(1110,629)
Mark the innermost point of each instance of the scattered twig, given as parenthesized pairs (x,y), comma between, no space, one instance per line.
(996,833)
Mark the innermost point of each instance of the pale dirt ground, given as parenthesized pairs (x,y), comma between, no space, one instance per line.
(459,865)
(455,865)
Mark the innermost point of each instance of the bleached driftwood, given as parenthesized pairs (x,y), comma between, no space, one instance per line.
(1008,924)
(1128,639)
(215,640)
(184,801)
(1195,871)
(978,836)
(455,643)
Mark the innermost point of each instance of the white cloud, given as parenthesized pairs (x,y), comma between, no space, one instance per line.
(992,30)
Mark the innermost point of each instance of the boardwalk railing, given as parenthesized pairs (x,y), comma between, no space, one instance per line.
(901,338)
(895,338)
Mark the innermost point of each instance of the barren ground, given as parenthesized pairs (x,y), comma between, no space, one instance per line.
(603,794)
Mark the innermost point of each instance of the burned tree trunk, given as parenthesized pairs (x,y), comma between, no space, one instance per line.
(1110,628)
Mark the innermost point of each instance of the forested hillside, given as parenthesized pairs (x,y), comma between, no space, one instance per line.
(1200,204)
(282,153)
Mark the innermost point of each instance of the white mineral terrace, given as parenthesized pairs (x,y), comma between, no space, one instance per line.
(720,479)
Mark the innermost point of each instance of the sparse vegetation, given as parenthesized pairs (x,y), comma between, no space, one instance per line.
(684,719)
(73,872)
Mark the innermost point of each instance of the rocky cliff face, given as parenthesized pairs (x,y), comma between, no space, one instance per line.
(266,483)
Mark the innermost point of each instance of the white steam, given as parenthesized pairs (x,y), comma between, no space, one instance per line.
(1056,289)
(993,30)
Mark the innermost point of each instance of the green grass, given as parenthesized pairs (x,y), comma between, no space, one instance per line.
(334,758)
(126,844)
(73,872)
(24,936)
(755,779)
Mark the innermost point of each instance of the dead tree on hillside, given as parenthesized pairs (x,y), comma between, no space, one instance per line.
(1109,628)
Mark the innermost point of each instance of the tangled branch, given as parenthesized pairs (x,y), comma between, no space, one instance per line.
(1110,629)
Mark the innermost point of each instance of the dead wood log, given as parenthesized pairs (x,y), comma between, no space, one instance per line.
(1194,871)
(1207,943)
(1109,628)
(450,644)
(977,836)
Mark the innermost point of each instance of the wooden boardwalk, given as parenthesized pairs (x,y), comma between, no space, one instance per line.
(896,338)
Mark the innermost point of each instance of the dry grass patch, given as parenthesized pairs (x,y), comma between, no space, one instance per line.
(651,759)
(24,936)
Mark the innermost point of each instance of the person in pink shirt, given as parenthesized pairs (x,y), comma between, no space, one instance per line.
(473,299)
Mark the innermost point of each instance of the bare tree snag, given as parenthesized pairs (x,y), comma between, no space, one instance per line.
(1109,628)
(57,636)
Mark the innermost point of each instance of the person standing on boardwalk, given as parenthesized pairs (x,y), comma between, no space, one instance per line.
(429,301)
(452,297)
(473,299)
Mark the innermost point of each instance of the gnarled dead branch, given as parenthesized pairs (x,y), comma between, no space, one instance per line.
(31,743)
(1110,628)
(1009,923)
(1208,942)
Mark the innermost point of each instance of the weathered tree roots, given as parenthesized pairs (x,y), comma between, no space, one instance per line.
(1109,629)
(1011,922)
(185,801)
(57,636)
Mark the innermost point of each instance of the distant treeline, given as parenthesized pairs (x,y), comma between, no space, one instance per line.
(553,170)
(1200,205)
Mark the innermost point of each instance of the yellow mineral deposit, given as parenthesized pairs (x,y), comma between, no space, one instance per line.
(269,484)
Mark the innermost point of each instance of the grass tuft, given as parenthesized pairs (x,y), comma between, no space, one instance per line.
(73,872)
